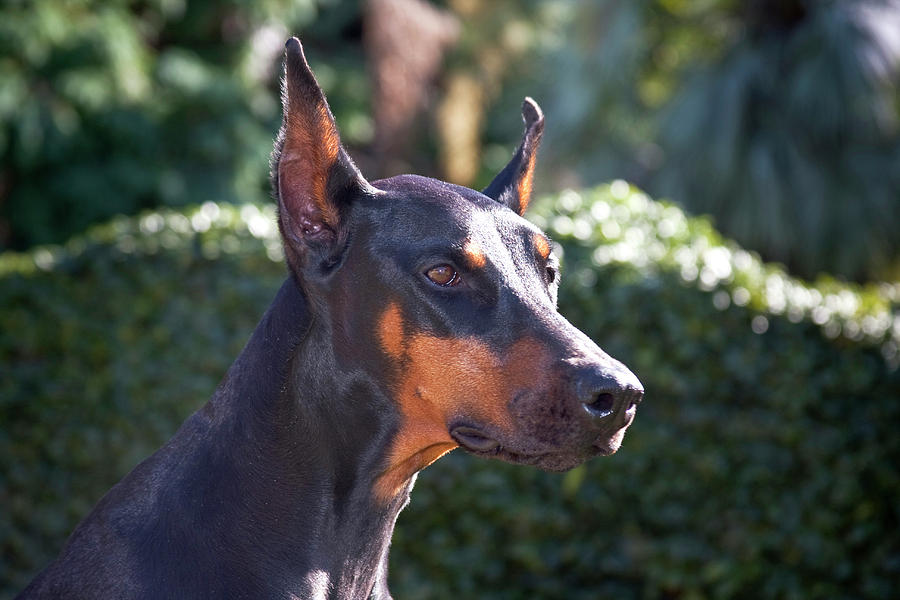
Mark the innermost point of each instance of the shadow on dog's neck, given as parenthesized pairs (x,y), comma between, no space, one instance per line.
(303,442)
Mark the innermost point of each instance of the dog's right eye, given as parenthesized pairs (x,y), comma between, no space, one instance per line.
(443,275)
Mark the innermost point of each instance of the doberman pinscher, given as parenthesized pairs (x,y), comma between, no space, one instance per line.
(418,317)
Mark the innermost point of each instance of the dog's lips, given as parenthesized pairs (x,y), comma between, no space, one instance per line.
(481,442)
(607,445)
(475,441)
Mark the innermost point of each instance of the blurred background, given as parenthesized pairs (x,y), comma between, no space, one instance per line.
(758,303)
(777,117)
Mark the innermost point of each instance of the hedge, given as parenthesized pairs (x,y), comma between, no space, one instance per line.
(762,463)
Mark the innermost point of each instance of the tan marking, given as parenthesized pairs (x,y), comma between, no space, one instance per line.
(390,331)
(311,148)
(524,185)
(440,379)
(541,245)
(475,258)
(330,146)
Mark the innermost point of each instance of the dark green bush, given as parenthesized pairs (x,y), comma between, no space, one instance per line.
(105,347)
(114,106)
(761,465)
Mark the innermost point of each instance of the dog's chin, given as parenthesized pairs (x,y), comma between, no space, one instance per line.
(550,461)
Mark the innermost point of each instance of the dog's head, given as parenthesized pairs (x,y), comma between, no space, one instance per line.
(446,297)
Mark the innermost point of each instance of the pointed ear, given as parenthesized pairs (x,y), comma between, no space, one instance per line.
(512,186)
(312,175)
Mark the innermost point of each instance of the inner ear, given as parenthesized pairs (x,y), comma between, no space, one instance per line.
(313,176)
(305,211)
(512,186)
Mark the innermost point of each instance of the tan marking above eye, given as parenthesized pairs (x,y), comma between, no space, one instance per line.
(443,275)
(474,254)
(541,245)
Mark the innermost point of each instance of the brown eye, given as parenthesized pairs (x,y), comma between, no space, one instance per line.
(551,274)
(443,275)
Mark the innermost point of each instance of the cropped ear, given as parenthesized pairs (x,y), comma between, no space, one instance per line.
(512,186)
(312,175)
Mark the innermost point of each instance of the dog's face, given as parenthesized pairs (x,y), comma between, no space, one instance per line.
(446,297)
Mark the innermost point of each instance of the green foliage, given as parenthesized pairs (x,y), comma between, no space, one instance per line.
(110,107)
(106,345)
(792,140)
(781,119)
(778,118)
(618,225)
(761,465)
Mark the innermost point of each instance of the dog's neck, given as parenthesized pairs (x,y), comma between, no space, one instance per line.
(314,440)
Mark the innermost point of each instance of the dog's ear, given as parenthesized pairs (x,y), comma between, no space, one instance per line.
(512,186)
(312,175)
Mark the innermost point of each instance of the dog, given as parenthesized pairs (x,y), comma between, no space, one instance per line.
(417,317)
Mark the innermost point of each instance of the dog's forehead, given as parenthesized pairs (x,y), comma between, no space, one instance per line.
(441,209)
(439,196)
(417,187)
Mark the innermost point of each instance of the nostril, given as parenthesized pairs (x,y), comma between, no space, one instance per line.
(601,405)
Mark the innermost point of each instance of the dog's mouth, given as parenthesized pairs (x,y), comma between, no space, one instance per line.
(473,440)
(477,442)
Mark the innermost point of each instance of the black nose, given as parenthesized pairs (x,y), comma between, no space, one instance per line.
(609,397)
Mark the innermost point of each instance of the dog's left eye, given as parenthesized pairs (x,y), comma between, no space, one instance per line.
(551,275)
(443,275)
